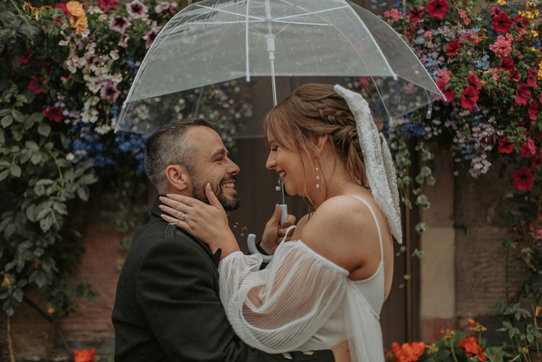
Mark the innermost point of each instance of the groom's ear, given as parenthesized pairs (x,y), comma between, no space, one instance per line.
(178,177)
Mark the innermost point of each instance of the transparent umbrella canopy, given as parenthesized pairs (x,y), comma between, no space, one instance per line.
(214,41)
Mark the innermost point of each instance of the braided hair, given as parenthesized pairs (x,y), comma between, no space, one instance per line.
(314,110)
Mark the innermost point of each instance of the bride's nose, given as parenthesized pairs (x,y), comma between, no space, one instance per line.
(271,163)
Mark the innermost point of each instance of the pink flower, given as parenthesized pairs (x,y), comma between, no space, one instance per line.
(501,22)
(463,15)
(151,35)
(453,47)
(527,149)
(415,15)
(161,7)
(394,14)
(109,92)
(523,179)
(107,5)
(136,9)
(448,93)
(533,110)
(53,113)
(469,97)
(36,85)
(119,23)
(505,146)
(475,82)
(437,8)
(503,46)
(365,81)
(522,94)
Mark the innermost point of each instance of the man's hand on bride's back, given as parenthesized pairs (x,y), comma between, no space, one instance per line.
(341,352)
(274,233)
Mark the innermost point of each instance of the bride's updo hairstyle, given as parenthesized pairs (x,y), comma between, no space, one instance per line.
(314,110)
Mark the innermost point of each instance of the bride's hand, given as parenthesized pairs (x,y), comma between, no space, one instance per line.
(209,223)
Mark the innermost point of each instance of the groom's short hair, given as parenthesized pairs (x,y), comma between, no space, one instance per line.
(169,146)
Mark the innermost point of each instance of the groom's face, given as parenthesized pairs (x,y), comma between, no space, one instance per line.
(212,165)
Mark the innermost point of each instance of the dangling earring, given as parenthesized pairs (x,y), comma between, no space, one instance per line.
(317,179)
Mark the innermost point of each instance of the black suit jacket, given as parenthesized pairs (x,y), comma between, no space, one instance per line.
(167,306)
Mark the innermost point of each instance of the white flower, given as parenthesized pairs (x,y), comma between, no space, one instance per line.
(70,156)
(117,78)
(103,129)
(85,33)
(114,54)
(63,43)
(102,17)
(95,10)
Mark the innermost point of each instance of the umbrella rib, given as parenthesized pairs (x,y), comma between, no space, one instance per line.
(299,23)
(230,12)
(311,13)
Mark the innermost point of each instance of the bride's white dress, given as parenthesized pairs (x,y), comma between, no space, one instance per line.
(303,302)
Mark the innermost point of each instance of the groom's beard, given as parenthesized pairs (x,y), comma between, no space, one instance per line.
(228,203)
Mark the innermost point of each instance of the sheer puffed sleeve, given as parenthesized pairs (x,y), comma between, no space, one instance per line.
(279,308)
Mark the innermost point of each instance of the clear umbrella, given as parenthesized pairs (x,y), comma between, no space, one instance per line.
(215,41)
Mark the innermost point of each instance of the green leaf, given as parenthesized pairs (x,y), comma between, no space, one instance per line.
(36,158)
(45,182)
(18,116)
(60,208)
(31,145)
(4,164)
(4,174)
(7,121)
(44,129)
(16,171)
(83,193)
(88,179)
(2,138)
(4,112)
(47,222)
(62,162)
(31,213)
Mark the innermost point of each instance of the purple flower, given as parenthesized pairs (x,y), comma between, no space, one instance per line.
(119,23)
(151,35)
(136,9)
(109,92)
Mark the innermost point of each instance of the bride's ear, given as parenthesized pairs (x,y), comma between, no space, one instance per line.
(178,177)
(320,143)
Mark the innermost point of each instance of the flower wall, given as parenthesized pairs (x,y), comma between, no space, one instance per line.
(65,70)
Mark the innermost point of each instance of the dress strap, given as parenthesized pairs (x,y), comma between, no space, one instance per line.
(376,222)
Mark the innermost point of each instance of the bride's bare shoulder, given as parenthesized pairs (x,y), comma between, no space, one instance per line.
(335,229)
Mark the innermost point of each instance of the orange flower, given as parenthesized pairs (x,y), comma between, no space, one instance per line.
(80,24)
(75,8)
(84,355)
(408,352)
(470,344)
(470,321)
(481,356)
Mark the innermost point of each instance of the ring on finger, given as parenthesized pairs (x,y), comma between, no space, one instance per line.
(182,217)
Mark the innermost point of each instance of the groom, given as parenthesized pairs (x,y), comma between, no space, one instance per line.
(167,306)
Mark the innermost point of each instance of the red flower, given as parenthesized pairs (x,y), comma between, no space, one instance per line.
(364,81)
(437,8)
(453,47)
(501,22)
(469,97)
(507,64)
(522,22)
(415,14)
(63,6)
(84,355)
(46,63)
(495,11)
(531,82)
(540,97)
(53,113)
(523,179)
(449,93)
(522,94)
(26,57)
(533,110)
(527,149)
(475,82)
(107,5)
(480,355)
(537,162)
(515,75)
(36,85)
(470,344)
(505,146)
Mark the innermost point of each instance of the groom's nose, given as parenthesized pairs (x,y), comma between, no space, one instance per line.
(232,168)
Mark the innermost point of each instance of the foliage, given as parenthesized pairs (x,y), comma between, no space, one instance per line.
(65,69)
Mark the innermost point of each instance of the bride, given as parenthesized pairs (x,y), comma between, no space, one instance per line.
(328,284)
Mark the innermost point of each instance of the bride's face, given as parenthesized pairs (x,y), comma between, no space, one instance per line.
(293,166)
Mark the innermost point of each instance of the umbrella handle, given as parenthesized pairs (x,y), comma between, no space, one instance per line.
(251,238)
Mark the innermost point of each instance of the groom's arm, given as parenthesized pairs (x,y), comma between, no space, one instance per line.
(177,285)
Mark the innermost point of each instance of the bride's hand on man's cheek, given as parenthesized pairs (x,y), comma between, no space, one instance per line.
(208,223)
